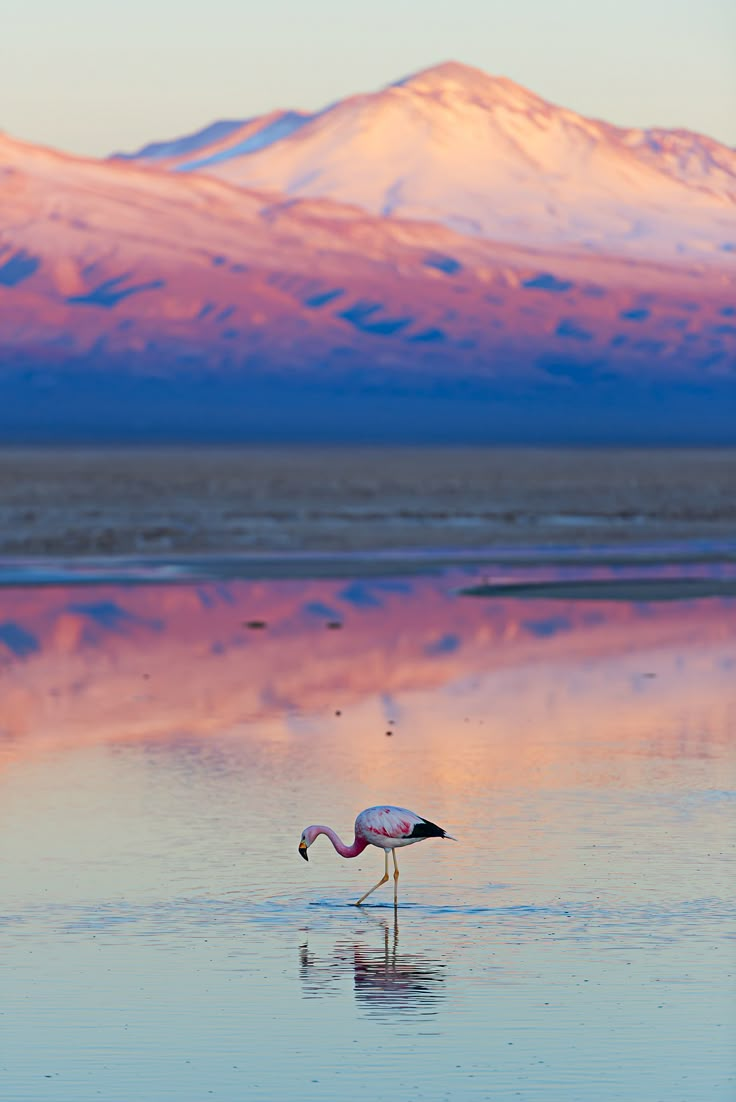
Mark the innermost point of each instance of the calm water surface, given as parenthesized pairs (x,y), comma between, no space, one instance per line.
(161,939)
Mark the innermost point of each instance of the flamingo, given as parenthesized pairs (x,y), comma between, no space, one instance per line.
(385,827)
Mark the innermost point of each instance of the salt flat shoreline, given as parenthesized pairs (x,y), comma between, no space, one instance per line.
(350,501)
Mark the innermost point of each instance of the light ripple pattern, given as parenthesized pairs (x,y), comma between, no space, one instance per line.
(160,938)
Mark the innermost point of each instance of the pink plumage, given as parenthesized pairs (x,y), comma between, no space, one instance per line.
(386,827)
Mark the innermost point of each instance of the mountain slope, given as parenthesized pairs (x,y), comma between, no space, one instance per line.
(137,300)
(484,156)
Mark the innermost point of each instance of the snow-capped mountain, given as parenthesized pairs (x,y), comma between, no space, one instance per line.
(136,298)
(484,156)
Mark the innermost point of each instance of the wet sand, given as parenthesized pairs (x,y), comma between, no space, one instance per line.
(346,500)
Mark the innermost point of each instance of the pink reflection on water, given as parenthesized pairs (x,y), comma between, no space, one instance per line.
(561,679)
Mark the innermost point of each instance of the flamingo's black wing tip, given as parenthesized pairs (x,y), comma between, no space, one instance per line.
(425,829)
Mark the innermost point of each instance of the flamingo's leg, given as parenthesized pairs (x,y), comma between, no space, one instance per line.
(383,880)
(396,877)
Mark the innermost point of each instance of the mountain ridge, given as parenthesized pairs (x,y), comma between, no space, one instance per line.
(139,300)
(487,157)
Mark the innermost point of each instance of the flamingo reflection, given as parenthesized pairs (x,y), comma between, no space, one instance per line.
(385,979)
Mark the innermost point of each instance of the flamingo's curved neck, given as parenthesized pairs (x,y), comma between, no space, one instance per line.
(357,846)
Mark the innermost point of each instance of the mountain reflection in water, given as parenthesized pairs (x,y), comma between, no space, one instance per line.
(104,663)
(162,747)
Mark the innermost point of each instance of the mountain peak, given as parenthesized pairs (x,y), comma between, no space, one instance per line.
(453,78)
(486,156)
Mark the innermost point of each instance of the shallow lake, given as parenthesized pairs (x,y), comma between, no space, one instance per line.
(163,745)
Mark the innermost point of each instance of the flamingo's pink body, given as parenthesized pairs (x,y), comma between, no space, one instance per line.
(385,827)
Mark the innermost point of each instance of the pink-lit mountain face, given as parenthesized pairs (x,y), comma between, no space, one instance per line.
(139,297)
(484,156)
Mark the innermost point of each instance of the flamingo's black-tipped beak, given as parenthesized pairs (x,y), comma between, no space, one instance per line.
(303,850)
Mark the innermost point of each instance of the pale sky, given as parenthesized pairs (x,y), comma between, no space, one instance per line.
(92,76)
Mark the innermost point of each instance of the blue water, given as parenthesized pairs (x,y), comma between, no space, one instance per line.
(160,937)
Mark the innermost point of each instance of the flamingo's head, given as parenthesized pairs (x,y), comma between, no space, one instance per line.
(305,842)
